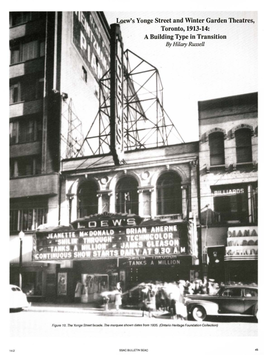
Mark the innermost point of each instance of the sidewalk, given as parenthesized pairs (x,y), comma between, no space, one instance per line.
(80,308)
(87,308)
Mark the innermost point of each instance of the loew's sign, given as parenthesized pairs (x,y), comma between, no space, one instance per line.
(111,242)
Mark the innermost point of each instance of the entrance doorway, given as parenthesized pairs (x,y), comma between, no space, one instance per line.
(93,285)
(216,269)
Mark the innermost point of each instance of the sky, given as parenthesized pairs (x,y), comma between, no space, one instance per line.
(220,68)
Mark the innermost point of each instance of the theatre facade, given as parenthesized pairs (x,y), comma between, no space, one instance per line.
(130,224)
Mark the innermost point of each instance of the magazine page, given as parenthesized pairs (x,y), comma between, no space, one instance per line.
(133,186)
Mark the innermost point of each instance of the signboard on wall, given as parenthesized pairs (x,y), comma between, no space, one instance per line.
(111,242)
(242,243)
(90,42)
(228,191)
(116,95)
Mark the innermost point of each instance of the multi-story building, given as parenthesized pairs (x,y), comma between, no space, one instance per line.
(56,60)
(228,156)
(69,76)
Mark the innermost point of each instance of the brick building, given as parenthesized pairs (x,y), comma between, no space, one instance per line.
(228,155)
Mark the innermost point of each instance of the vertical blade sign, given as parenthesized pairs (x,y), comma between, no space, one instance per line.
(116,111)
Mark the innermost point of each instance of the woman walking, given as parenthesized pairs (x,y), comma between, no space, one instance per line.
(118,296)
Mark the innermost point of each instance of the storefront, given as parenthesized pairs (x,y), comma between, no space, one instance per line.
(104,249)
(231,253)
(236,203)
(37,279)
(241,256)
(232,214)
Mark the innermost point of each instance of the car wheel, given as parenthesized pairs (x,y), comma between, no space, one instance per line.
(199,313)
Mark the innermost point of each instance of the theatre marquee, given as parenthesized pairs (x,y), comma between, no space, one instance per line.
(115,240)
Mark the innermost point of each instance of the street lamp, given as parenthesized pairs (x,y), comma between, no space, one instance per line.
(21,236)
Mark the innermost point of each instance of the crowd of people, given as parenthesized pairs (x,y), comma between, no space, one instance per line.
(167,297)
(170,297)
(115,294)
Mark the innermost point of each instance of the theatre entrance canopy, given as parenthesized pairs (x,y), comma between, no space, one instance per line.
(114,236)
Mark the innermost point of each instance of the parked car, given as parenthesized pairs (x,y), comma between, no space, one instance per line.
(229,300)
(17,298)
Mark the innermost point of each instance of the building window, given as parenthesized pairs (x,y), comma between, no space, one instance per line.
(169,194)
(127,195)
(231,202)
(13,132)
(15,55)
(17,18)
(243,145)
(217,149)
(87,199)
(14,224)
(27,51)
(24,131)
(25,166)
(15,94)
(28,89)
(27,219)
(84,74)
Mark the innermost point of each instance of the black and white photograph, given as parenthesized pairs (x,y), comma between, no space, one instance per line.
(133,181)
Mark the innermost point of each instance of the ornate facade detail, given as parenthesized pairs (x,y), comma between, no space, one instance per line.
(206,135)
(242,126)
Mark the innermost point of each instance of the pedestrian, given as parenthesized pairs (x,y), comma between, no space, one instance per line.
(150,302)
(118,296)
(163,299)
(105,299)
(197,284)
(180,304)
(188,288)
(78,292)
(174,294)
(88,282)
(166,292)
(145,298)
(160,298)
